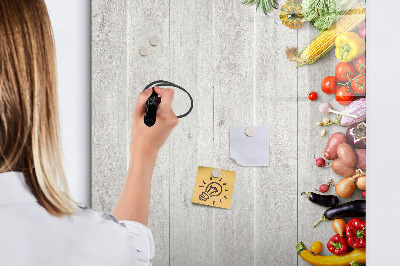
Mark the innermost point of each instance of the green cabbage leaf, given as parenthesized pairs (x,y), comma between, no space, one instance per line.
(323,13)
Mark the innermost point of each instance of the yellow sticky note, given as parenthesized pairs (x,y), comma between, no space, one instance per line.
(211,191)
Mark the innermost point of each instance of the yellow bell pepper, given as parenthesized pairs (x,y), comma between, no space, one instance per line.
(349,46)
(358,255)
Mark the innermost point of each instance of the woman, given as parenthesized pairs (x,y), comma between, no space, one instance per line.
(40,222)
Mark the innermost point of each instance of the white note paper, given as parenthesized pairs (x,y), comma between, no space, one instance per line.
(250,151)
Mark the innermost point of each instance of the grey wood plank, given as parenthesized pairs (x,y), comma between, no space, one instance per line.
(145,20)
(233,106)
(275,101)
(109,99)
(191,142)
(311,143)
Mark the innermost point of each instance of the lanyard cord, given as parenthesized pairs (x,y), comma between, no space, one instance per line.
(170,84)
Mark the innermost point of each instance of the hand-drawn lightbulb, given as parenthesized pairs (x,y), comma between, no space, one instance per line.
(213,189)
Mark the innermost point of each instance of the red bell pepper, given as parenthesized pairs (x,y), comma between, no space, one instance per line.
(355,232)
(337,245)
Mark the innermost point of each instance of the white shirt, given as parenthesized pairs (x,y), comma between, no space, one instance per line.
(29,235)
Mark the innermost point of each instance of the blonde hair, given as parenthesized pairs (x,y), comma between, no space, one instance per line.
(29,120)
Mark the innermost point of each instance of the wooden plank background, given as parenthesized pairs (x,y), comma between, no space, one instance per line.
(232,60)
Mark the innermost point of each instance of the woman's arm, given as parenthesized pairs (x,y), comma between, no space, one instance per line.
(133,203)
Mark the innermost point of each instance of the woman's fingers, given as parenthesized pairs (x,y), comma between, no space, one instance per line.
(141,102)
(165,109)
(167,95)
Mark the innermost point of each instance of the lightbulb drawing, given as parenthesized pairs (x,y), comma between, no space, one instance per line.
(213,189)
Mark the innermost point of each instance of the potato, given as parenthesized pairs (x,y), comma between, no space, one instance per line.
(333,143)
(341,169)
(347,154)
(361,159)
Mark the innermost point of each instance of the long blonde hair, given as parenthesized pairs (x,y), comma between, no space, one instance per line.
(29,119)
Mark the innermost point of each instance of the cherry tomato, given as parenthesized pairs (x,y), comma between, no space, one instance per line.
(344,72)
(316,247)
(328,85)
(360,64)
(358,84)
(344,96)
(312,96)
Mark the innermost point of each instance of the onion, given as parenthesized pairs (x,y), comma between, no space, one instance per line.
(357,135)
(345,187)
(362,182)
(339,226)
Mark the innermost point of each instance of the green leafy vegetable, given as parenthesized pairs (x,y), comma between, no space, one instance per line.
(266,5)
(322,13)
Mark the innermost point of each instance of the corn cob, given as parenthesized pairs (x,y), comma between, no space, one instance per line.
(324,41)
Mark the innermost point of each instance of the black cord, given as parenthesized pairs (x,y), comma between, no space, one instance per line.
(170,84)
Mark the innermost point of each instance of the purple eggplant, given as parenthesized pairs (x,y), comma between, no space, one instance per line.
(357,135)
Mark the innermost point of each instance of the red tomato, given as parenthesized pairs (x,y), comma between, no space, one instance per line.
(328,85)
(344,95)
(360,64)
(344,72)
(312,96)
(358,84)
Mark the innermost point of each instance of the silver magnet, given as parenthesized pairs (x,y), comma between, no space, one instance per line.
(154,41)
(250,132)
(216,173)
(143,51)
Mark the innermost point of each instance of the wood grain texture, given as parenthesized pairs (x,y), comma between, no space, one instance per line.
(109,101)
(232,60)
(233,106)
(275,100)
(145,20)
(191,142)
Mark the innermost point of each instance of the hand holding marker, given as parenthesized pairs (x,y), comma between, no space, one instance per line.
(152,102)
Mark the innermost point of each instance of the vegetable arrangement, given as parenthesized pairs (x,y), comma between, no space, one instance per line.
(342,25)
(350,235)
(345,151)
(356,255)
(325,41)
(349,81)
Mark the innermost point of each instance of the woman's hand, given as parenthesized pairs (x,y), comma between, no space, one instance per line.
(148,140)
(133,203)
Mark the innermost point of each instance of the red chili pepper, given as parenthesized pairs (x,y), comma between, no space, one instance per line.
(355,232)
(337,245)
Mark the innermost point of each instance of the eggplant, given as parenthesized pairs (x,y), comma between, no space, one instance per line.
(323,200)
(357,135)
(355,208)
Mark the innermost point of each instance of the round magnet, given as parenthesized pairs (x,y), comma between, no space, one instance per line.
(250,131)
(154,41)
(216,173)
(143,51)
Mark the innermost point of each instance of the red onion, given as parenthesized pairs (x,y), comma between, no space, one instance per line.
(357,135)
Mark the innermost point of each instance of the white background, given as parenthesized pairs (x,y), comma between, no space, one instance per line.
(71,23)
(383,152)
(71,26)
